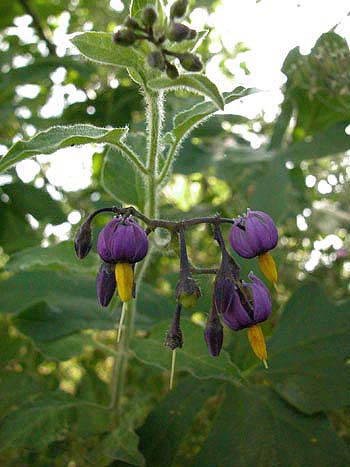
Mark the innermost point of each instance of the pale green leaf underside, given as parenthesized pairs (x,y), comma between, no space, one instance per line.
(192,82)
(49,141)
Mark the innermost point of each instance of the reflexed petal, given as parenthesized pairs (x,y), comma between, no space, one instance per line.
(261,299)
(239,242)
(261,231)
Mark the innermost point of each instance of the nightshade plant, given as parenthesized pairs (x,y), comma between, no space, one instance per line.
(122,243)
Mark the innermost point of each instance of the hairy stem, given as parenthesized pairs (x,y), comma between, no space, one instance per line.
(154,124)
(168,162)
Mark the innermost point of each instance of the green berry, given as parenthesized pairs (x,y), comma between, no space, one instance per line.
(178,9)
(190,62)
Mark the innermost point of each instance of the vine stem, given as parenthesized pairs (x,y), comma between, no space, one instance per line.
(154,115)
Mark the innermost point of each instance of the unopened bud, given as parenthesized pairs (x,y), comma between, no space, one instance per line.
(156,60)
(131,23)
(178,32)
(187,292)
(149,16)
(124,37)
(171,70)
(83,240)
(190,62)
(213,333)
(178,9)
(105,283)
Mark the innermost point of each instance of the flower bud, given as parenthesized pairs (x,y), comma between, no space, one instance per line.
(83,240)
(213,333)
(149,16)
(187,292)
(193,34)
(156,60)
(124,37)
(171,70)
(190,62)
(178,9)
(105,284)
(178,32)
(131,23)
(174,338)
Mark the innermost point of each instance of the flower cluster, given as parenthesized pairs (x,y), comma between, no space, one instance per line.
(236,303)
(158,35)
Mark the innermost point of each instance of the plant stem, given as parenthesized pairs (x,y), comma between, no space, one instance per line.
(168,162)
(154,112)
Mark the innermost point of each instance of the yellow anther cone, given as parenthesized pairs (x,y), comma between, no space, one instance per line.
(268,267)
(124,276)
(257,341)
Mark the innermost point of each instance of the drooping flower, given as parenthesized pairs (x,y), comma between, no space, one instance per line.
(123,242)
(213,333)
(255,235)
(251,305)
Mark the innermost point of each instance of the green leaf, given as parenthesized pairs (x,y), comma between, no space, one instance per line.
(192,82)
(189,45)
(309,352)
(38,423)
(64,348)
(118,445)
(43,322)
(189,119)
(25,198)
(16,387)
(168,425)
(49,141)
(255,428)
(327,142)
(193,357)
(59,257)
(99,47)
(121,181)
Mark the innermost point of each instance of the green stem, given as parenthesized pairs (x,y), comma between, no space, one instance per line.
(169,160)
(154,102)
(132,157)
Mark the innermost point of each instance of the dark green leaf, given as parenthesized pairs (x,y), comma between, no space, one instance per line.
(168,425)
(121,181)
(309,352)
(255,428)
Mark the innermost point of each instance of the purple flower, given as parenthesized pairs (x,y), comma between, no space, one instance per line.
(105,283)
(253,235)
(213,333)
(251,305)
(122,241)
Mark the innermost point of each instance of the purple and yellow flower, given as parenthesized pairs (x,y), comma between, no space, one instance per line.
(255,235)
(251,305)
(123,242)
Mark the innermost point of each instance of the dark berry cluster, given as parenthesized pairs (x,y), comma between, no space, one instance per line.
(160,57)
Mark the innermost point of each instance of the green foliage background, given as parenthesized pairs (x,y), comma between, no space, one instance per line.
(57,346)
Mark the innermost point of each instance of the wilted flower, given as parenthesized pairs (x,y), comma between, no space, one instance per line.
(105,283)
(123,242)
(213,333)
(254,235)
(174,338)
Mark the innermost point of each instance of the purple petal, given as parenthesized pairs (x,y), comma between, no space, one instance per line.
(261,231)
(239,242)
(261,299)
